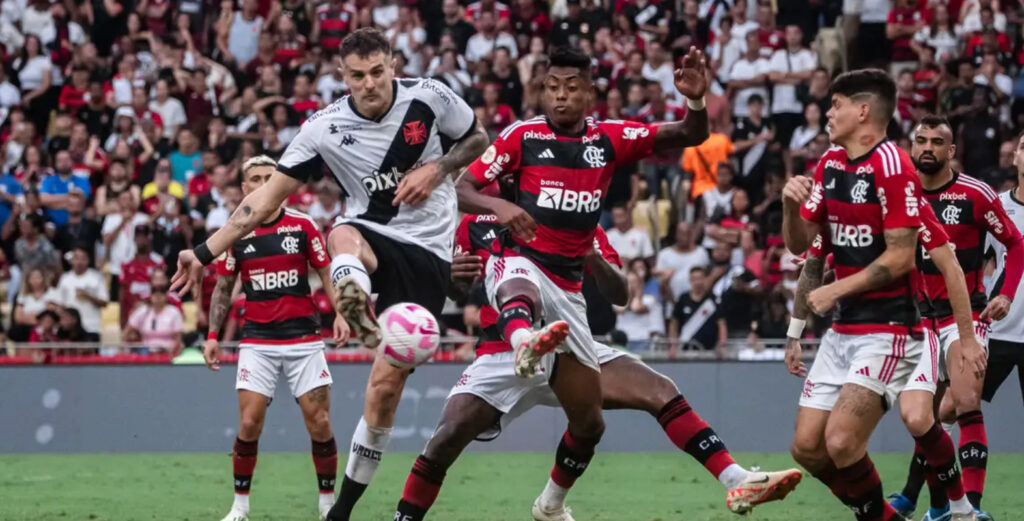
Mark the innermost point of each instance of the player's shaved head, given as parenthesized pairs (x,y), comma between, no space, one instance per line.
(871,86)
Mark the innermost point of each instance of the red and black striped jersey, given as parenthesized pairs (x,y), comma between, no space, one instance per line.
(335,25)
(477,235)
(273,262)
(968,210)
(858,199)
(561,181)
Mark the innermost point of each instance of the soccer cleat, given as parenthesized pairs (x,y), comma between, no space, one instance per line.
(762,487)
(236,515)
(562,514)
(983,516)
(936,514)
(540,343)
(354,306)
(902,505)
(970,516)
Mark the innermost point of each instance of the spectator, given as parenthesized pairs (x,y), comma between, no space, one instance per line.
(84,289)
(119,231)
(10,96)
(990,74)
(631,242)
(742,26)
(663,166)
(35,296)
(488,38)
(802,137)
(972,16)
(33,250)
(752,137)
(328,204)
(334,19)
(868,43)
(770,37)
(503,73)
(725,51)
(701,163)
(451,72)
(213,197)
(905,20)
(35,75)
(33,166)
(674,262)
(136,274)
(14,149)
(737,289)
(927,78)
(773,324)
(118,182)
(956,98)
(157,325)
(570,29)
(453,25)
(238,33)
(658,69)
(73,95)
(494,115)
(95,113)
(941,34)
(717,202)
(748,77)
(186,160)
(908,102)
(80,228)
(642,317)
(44,332)
(162,189)
(499,11)
(170,110)
(980,135)
(696,322)
(70,329)
(791,71)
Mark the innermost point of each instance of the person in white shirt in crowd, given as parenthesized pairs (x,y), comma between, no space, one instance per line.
(749,76)
(658,68)
(36,18)
(631,242)
(488,38)
(9,94)
(84,289)
(157,325)
(642,318)
(718,201)
(119,233)
(970,15)
(791,68)
(742,25)
(408,35)
(802,137)
(238,33)
(725,51)
(941,34)
(674,262)
(35,296)
(171,111)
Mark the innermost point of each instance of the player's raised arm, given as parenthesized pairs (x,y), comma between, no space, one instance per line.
(692,82)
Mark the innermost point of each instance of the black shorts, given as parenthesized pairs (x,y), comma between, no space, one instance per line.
(1003,356)
(406,273)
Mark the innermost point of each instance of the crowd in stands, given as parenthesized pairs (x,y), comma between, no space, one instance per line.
(124,123)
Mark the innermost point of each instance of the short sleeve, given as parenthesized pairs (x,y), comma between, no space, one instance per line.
(463,245)
(316,248)
(813,209)
(177,321)
(501,158)
(606,249)
(136,319)
(932,234)
(227,265)
(899,189)
(632,141)
(302,159)
(997,222)
(455,118)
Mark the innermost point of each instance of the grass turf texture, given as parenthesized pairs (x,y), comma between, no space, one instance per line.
(493,487)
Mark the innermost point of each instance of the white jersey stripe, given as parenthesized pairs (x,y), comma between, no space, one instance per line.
(985,189)
(890,152)
(887,167)
(532,121)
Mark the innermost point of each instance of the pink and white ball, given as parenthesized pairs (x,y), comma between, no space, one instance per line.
(410,335)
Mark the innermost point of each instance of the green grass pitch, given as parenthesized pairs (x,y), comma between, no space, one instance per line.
(481,486)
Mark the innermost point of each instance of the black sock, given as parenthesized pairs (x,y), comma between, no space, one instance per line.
(409,512)
(915,476)
(350,493)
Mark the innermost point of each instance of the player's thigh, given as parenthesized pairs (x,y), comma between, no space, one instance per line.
(407,273)
(572,308)
(464,418)
(884,362)
(345,238)
(628,383)
(315,405)
(926,375)
(578,389)
(826,376)
(258,370)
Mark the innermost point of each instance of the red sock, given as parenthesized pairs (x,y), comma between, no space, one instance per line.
(422,485)
(941,459)
(864,490)
(973,454)
(244,462)
(325,460)
(515,314)
(829,475)
(571,458)
(692,434)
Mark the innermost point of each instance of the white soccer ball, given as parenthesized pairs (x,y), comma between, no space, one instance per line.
(409,334)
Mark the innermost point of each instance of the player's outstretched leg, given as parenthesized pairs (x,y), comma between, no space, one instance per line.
(573,384)
(253,409)
(966,389)
(316,411)
(352,262)
(465,417)
(916,409)
(809,450)
(372,434)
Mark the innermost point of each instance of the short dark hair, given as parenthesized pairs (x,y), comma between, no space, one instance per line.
(701,269)
(570,57)
(363,42)
(934,121)
(864,84)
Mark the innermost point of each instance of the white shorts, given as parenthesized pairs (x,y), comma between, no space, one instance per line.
(881,362)
(304,365)
(853,7)
(492,378)
(556,303)
(933,365)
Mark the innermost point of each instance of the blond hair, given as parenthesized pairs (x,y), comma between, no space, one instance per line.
(255,161)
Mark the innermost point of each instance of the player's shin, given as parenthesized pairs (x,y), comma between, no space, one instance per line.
(941,457)
(863,489)
(571,459)
(693,435)
(325,461)
(244,463)
(368,444)
(973,454)
(915,475)
(421,489)
(515,321)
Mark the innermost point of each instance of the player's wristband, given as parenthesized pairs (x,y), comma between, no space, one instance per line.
(696,104)
(203,254)
(212,335)
(796,328)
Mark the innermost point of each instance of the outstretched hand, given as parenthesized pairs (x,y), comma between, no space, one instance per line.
(691,77)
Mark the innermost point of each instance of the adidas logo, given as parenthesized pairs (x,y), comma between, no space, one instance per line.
(863,371)
(547,154)
(249,249)
(920,378)
(324,374)
(490,236)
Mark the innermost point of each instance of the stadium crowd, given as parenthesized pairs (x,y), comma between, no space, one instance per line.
(125,122)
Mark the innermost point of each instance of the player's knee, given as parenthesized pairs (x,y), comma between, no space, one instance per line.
(518,289)
(917,419)
(808,452)
(319,425)
(250,427)
(843,447)
(590,427)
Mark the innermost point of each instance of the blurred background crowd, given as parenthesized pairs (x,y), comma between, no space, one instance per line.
(124,123)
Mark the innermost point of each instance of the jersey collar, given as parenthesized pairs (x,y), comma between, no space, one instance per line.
(1013,197)
(586,127)
(943,188)
(867,155)
(276,220)
(394,95)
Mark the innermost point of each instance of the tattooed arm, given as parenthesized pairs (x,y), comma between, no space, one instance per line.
(810,280)
(464,152)
(220,304)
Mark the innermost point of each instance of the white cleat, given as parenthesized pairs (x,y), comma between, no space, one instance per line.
(762,487)
(562,514)
(324,510)
(355,307)
(540,343)
(236,515)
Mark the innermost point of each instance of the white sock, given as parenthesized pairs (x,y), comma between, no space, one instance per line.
(519,336)
(553,497)
(950,428)
(368,445)
(241,503)
(348,265)
(326,500)
(961,506)
(733,476)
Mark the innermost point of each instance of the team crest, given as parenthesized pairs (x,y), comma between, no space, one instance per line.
(415,133)
(594,156)
(951,214)
(290,244)
(859,192)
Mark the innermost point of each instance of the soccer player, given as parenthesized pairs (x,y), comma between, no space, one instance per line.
(562,164)
(865,192)
(393,146)
(489,395)
(281,335)
(969,211)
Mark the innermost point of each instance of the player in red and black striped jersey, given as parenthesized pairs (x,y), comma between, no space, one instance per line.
(969,211)
(281,334)
(488,395)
